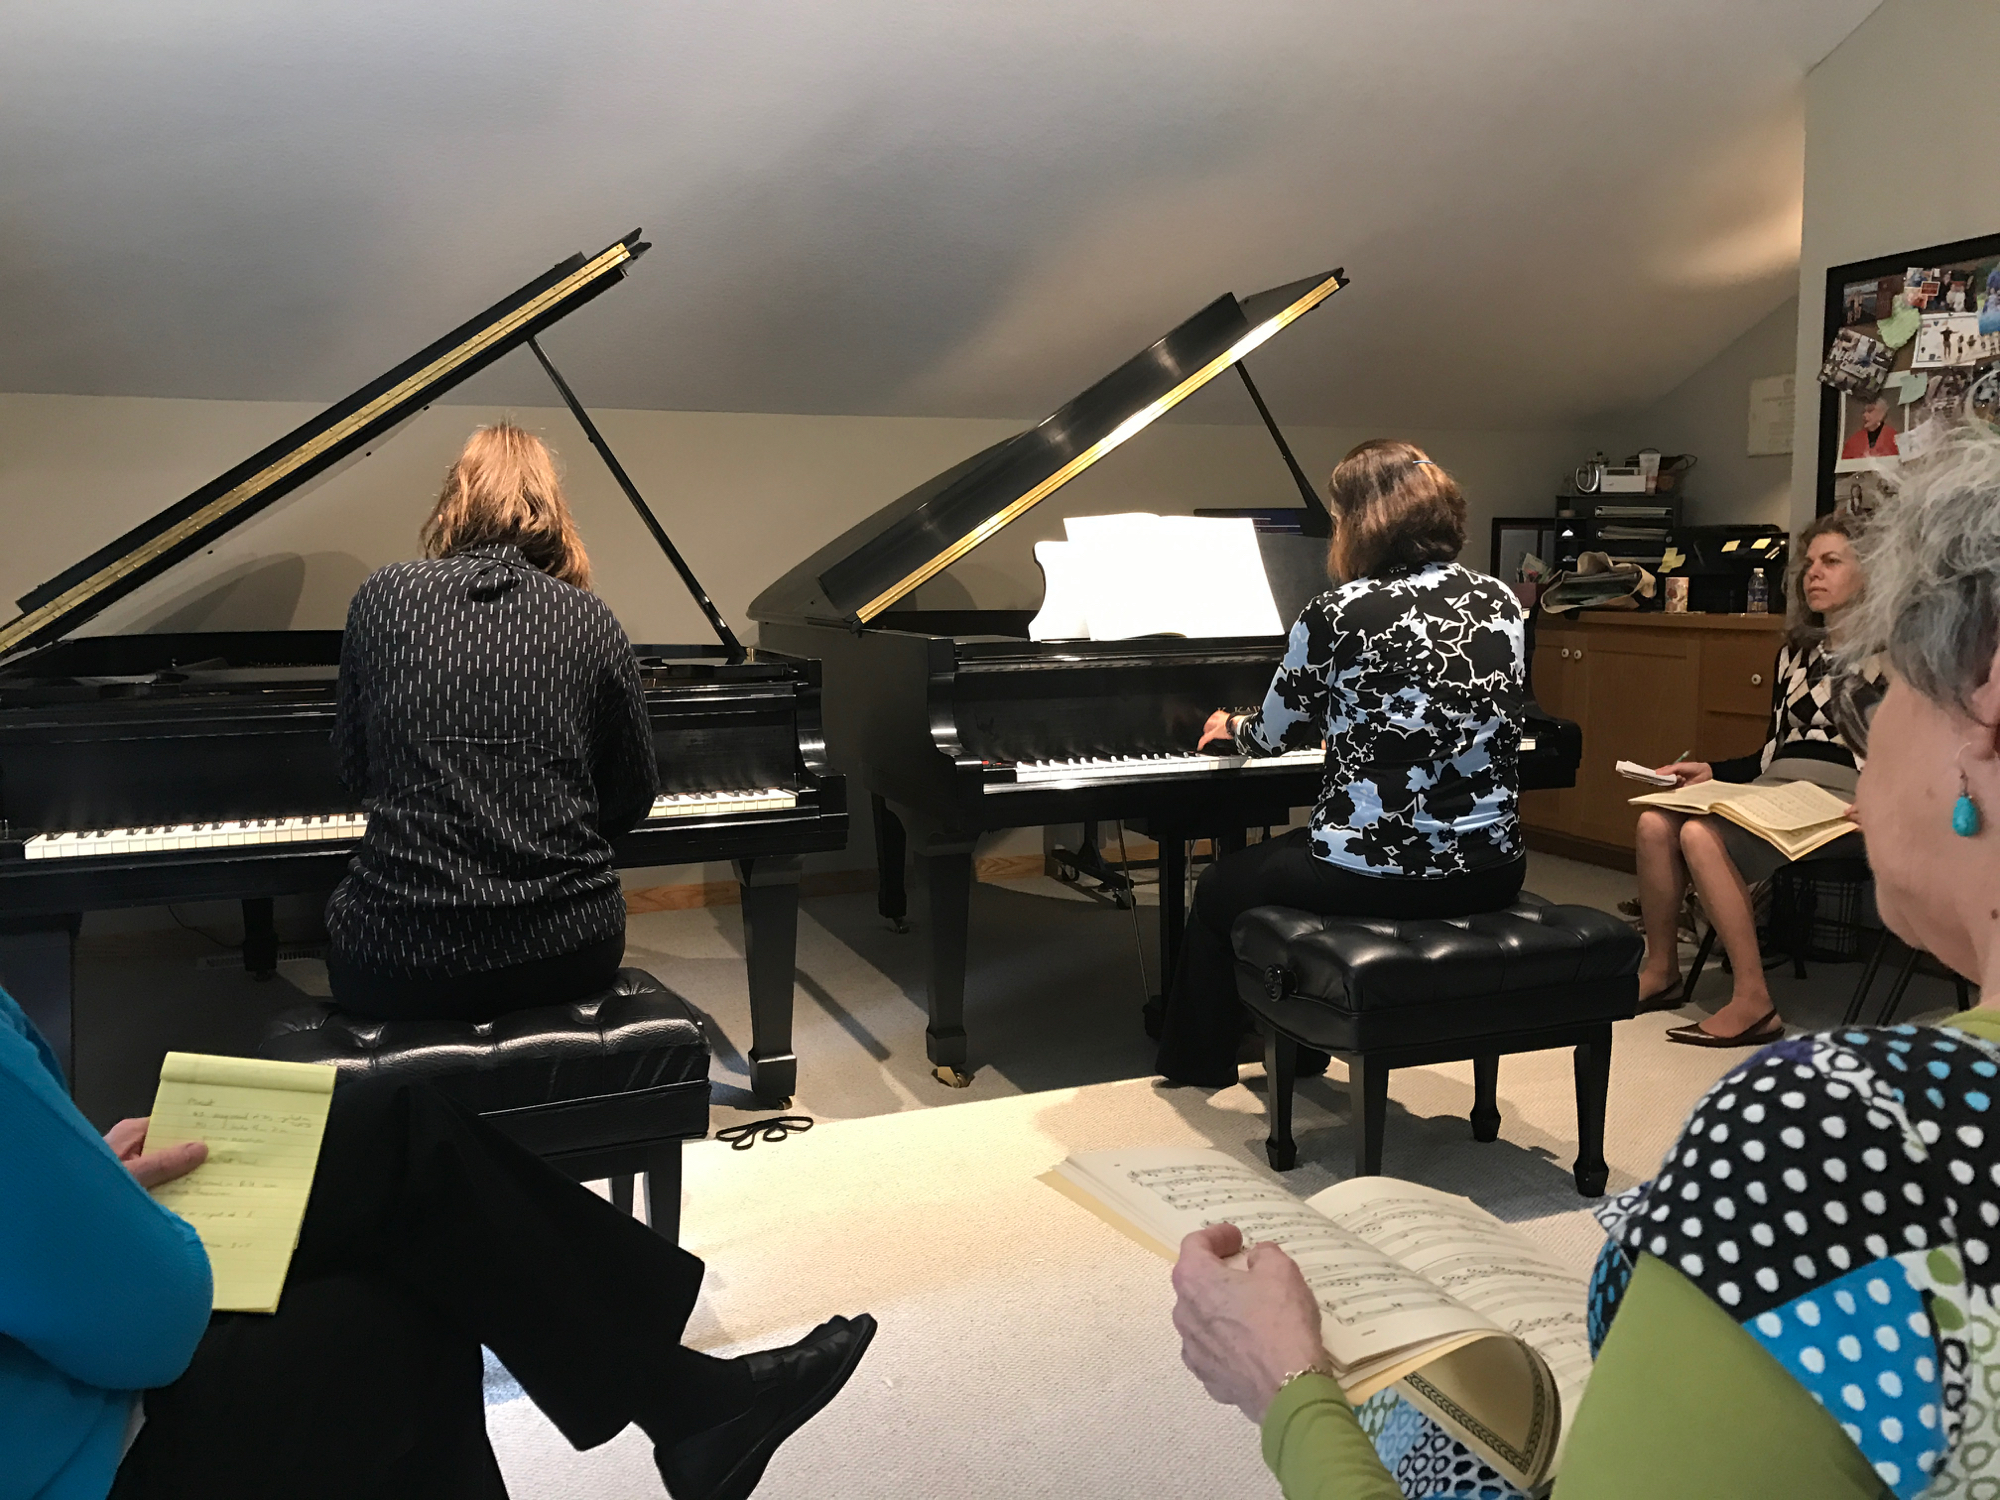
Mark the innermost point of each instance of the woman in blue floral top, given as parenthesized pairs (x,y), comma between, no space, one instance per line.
(1411,672)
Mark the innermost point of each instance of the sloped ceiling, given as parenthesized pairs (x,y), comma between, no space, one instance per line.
(1550,208)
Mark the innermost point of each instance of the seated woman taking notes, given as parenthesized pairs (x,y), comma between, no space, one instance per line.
(1411,672)
(1812,699)
(427,1234)
(1806,1300)
(492,721)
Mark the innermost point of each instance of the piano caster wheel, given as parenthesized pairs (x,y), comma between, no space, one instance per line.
(1122,900)
(950,1077)
(1066,873)
(898,925)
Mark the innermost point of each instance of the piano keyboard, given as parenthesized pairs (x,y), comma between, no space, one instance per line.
(335,827)
(1084,769)
(701,804)
(176,837)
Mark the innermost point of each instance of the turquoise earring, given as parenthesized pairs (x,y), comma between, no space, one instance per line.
(1964,812)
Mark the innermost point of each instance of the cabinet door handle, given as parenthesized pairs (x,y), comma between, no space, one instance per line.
(1756,679)
(1565,656)
(1579,653)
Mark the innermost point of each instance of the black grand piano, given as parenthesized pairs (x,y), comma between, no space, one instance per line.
(149,769)
(959,724)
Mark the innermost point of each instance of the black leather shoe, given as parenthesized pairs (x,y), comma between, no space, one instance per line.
(789,1386)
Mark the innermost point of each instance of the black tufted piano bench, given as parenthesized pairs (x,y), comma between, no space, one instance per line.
(605,1087)
(1391,994)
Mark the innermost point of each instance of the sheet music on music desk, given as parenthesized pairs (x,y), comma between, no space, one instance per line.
(1146,574)
(263,1123)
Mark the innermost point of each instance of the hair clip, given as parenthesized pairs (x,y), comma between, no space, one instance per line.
(1415,461)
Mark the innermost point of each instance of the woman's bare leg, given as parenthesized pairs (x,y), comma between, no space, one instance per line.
(1726,899)
(1662,883)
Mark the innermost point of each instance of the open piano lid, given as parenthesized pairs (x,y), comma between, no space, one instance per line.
(150,548)
(856,577)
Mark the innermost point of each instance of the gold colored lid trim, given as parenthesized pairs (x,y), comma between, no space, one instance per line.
(1125,430)
(24,626)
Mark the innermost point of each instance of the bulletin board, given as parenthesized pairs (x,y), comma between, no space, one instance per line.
(1911,340)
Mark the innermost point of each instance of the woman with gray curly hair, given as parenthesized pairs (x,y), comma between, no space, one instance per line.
(1806,1299)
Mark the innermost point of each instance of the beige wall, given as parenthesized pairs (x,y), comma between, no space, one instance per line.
(1708,415)
(744,496)
(1897,121)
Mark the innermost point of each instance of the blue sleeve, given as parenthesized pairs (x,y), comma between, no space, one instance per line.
(95,1277)
(1293,715)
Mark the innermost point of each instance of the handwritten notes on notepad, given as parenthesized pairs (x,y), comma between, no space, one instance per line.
(263,1122)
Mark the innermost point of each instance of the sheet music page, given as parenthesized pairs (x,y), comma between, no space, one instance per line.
(1483,1263)
(1369,1305)
(1064,615)
(1160,575)
(1216,572)
(1788,807)
(1695,799)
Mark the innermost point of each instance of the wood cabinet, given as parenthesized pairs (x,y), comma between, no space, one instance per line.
(1646,687)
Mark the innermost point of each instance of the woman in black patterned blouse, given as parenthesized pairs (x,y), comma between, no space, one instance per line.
(1811,700)
(492,722)
(1412,673)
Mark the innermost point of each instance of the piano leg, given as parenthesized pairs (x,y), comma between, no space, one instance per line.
(260,937)
(770,887)
(948,887)
(37,965)
(891,847)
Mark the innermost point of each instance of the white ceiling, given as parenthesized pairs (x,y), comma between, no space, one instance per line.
(1550,208)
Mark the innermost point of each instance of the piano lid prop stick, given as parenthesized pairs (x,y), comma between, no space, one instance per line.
(715,620)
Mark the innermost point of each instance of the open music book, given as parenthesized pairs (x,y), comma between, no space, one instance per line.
(1117,577)
(1485,1332)
(1794,817)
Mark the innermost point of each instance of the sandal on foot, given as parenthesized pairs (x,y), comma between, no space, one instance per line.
(1671,997)
(1767,1028)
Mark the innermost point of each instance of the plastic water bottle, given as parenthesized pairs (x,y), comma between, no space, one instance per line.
(1759,600)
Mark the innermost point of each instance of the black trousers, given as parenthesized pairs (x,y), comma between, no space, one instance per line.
(428,1233)
(476,997)
(1204,1019)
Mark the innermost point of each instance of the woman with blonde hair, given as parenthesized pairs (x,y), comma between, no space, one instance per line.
(492,722)
(1411,672)
(1813,698)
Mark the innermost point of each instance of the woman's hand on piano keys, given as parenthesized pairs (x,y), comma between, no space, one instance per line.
(1221,726)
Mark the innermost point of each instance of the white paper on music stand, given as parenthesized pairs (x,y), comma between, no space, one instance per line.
(1065,614)
(1143,574)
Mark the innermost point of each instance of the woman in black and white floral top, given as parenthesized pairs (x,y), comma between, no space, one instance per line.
(1412,672)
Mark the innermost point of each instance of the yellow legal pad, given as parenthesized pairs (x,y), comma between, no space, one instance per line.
(263,1122)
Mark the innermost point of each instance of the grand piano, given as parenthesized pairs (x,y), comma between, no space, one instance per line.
(959,724)
(157,768)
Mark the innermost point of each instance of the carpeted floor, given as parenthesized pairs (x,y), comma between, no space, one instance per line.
(1025,1348)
